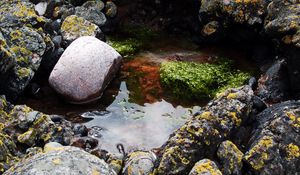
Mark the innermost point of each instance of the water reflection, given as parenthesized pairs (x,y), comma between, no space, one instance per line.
(135,126)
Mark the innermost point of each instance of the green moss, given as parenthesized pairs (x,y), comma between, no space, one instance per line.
(125,47)
(195,81)
(131,39)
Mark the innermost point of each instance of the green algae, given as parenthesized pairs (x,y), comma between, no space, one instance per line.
(200,80)
(131,39)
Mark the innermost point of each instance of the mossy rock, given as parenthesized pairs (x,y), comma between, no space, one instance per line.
(200,80)
(74,27)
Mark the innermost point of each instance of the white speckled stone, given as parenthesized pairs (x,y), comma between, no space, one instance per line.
(84,70)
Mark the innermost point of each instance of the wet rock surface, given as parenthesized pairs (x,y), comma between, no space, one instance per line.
(84,70)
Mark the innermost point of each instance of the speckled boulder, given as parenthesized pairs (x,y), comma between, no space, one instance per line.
(139,163)
(243,12)
(61,160)
(91,11)
(274,146)
(74,27)
(283,21)
(231,158)
(84,70)
(201,135)
(205,167)
(21,45)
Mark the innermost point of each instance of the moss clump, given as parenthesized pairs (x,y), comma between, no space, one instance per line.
(125,47)
(131,39)
(195,81)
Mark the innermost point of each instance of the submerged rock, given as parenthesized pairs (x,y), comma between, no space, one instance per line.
(201,135)
(205,167)
(84,70)
(274,146)
(58,159)
(74,27)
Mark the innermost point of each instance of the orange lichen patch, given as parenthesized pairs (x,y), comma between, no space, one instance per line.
(148,77)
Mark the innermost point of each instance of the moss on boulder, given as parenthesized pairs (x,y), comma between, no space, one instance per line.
(194,80)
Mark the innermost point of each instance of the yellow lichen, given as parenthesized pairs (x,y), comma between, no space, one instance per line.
(236,120)
(294,119)
(78,26)
(292,151)
(259,151)
(95,172)
(207,168)
(232,96)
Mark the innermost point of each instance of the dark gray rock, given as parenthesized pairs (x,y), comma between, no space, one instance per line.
(21,45)
(91,11)
(273,86)
(231,158)
(201,135)
(111,9)
(283,21)
(84,70)
(274,145)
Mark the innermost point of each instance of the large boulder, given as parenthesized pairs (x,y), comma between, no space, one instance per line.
(22,45)
(84,70)
(57,159)
(20,126)
(199,137)
(274,146)
(283,21)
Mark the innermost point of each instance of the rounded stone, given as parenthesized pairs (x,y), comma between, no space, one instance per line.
(84,70)
(70,160)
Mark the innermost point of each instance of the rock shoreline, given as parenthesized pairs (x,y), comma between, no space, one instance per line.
(253,129)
